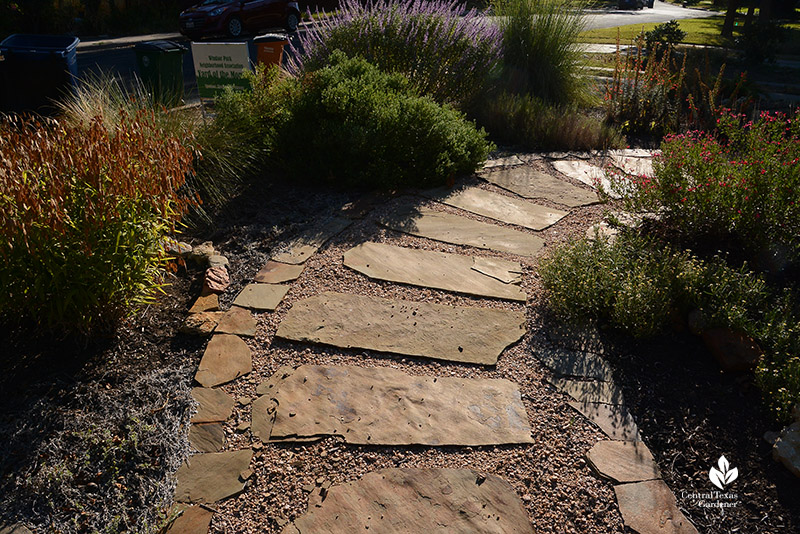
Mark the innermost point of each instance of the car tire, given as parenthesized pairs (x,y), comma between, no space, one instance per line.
(292,21)
(235,27)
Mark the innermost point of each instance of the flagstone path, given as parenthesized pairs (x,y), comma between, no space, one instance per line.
(375,404)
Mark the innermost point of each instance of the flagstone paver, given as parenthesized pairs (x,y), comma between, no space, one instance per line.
(403,501)
(633,165)
(384,406)
(439,270)
(213,405)
(500,269)
(261,296)
(565,362)
(623,461)
(509,161)
(499,207)
(238,321)
(532,183)
(226,358)
(274,272)
(439,226)
(589,390)
(474,335)
(208,437)
(307,244)
(193,520)
(211,477)
(205,303)
(586,173)
(649,508)
(615,421)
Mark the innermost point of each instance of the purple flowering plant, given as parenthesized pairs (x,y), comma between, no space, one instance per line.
(446,50)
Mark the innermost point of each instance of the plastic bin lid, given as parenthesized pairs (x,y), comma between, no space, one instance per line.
(30,41)
(160,46)
(270,38)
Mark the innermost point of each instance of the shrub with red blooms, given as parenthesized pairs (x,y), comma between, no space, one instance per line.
(740,183)
(83,211)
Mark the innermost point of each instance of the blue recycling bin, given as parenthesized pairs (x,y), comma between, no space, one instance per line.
(35,70)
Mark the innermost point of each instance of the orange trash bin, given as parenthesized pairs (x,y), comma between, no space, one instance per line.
(269,48)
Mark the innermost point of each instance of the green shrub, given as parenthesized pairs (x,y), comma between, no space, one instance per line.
(630,283)
(526,121)
(83,210)
(737,189)
(539,48)
(352,124)
(445,50)
(667,35)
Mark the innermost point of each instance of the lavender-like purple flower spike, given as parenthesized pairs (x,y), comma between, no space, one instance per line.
(446,50)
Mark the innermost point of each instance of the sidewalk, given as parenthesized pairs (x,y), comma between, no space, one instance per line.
(100,43)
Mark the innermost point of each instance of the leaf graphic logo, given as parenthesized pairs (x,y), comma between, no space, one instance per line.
(724,475)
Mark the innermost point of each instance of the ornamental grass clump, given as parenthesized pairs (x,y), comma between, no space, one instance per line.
(541,55)
(83,210)
(446,50)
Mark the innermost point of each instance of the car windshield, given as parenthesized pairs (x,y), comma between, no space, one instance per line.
(212,2)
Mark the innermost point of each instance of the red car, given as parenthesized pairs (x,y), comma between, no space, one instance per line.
(234,18)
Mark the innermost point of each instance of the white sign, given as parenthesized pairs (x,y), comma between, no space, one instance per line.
(219,65)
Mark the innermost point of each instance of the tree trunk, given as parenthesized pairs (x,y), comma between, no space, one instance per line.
(765,13)
(730,18)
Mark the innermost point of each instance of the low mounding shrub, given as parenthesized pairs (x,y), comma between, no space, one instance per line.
(639,285)
(738,189)
(526,121)
(540,55)
(352,124)
(445,50)
(83,210)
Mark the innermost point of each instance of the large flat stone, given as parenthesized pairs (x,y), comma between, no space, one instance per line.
(384,406)
(193,520)
(226,358)
(564,362)
(213,405)
(531,183)
(237,321)
(615,421)
(304,246)
(500,269)
(208,437)
(451,272)
(261,296)
(623,461)
(439,226)
(636,166)
(211,477)
(650,508)
(473,335)
(503,208)
(586,173)
(589,390)
(274,272)
(405,501)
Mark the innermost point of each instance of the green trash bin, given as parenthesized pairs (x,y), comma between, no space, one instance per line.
(160,66)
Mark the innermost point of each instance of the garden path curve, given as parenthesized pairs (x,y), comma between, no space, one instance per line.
(382,407)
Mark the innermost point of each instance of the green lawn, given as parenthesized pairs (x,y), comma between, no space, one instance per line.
(704,31)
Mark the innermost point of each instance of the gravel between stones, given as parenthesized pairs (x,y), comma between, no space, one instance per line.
(559,491)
